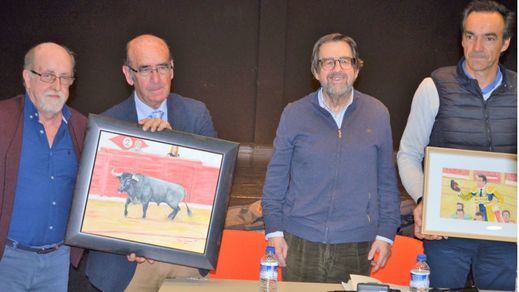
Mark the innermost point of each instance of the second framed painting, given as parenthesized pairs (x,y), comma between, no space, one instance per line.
(470,194)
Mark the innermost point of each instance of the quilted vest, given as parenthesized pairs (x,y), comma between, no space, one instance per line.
(466,121)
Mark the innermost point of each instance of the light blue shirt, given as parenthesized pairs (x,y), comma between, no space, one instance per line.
(145,111)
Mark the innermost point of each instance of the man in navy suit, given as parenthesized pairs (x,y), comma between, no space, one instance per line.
(149,68)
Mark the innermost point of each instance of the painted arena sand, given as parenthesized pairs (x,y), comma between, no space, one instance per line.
(106,218)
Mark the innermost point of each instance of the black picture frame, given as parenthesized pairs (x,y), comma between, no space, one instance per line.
(97,220)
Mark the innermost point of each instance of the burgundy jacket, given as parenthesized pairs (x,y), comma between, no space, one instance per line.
(11,133)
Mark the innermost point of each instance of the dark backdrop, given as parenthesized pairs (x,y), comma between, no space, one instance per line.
(246,59)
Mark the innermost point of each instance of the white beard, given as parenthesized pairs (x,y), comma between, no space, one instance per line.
(52,105)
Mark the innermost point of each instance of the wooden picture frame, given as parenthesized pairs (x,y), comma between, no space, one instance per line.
(470,194)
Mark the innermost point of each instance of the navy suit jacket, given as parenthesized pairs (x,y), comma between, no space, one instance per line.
(112,272)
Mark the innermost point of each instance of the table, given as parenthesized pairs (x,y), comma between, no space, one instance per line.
(220,285)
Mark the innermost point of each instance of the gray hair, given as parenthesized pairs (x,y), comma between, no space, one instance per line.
(335,37)
(491,6)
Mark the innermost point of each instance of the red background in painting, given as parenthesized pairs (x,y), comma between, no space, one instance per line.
(199,181)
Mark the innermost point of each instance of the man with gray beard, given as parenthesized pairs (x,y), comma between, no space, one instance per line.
(40,146)
(330,199)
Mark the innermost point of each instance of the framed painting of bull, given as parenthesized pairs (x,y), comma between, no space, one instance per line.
(161,195)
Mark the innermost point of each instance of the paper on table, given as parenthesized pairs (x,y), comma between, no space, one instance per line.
(356,279)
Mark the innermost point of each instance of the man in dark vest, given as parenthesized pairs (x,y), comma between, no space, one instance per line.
(469,106)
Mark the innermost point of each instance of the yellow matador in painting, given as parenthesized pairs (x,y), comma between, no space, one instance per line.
(487,200)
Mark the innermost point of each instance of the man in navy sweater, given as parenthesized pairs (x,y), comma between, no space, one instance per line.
(330,199)
(149,69)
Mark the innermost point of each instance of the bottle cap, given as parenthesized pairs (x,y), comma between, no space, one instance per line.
(421,257)
(271,249)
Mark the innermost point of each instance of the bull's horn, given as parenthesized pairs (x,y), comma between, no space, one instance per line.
(117,174)
(134,177)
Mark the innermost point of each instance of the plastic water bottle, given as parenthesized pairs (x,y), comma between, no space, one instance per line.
(420,275)
(269,271)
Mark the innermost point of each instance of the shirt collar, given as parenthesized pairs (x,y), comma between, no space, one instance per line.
(144,110)
(493,85)
(31,110)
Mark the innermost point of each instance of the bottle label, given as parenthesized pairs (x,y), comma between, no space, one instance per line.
(269,271)
(419,280)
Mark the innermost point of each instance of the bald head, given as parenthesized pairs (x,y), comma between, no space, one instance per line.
(44,50)
(140,45)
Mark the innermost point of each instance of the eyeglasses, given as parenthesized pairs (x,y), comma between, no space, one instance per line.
(344,62)
(48,77)
(146,71)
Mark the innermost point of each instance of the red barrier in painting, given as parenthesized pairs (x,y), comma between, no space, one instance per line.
(456,172)
(199,180)
(511,179)
(492,176)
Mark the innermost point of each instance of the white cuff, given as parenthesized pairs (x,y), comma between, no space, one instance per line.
(383,239)
(274,234)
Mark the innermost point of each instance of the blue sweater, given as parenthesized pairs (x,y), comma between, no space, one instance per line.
(331,185)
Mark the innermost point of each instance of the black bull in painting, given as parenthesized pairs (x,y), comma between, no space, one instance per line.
(143,189)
